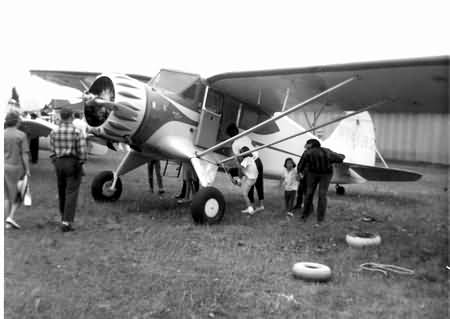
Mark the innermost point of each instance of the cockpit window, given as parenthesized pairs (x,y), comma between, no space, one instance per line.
(174,82)
(187,89)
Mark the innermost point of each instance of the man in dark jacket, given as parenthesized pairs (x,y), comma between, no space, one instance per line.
(316,164)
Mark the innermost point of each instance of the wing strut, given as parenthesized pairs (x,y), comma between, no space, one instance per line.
(381,157)
(304,132)
(274,118)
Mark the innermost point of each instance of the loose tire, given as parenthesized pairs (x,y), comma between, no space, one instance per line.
(208,206)
(362,239)
(100,188)
(311,271)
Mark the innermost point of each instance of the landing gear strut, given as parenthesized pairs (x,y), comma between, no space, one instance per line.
(208,206)
(340,190)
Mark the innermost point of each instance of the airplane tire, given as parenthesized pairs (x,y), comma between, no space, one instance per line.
(208,206)
(100,187)
(362,239)
(311,271)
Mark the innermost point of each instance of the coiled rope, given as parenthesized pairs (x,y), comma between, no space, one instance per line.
(386,268)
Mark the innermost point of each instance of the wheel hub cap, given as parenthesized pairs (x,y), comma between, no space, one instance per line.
(211,208)
(107,190)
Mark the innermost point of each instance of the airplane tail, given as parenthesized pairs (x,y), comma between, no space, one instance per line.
(354,137)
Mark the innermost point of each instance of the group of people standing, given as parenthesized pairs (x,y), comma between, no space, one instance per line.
(315,169)
(69,153)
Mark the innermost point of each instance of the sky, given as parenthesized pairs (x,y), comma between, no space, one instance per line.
(207,37)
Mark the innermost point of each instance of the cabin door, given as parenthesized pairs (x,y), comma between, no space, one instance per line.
(211,114)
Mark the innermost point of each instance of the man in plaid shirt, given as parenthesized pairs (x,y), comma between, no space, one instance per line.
(68,148)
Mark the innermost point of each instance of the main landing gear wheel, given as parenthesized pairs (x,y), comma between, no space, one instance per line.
(208,206)
(101,187)
(340,190)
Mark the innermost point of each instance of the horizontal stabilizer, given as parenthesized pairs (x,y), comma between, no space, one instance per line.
(381,174)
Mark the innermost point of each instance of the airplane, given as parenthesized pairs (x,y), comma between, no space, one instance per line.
(183,117)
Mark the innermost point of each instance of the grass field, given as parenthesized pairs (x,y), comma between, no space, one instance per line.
(143,257)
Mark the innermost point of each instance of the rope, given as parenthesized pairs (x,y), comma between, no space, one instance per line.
(386,268)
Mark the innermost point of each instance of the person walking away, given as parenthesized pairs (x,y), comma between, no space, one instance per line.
(232,130)
(250,175)
(290,185)
(317,162)
(34,144)
(68,154)
(155,165)
(16,161)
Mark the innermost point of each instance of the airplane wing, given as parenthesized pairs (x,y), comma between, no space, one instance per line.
(41,128)
(77,80)
(416,85)
(36,127)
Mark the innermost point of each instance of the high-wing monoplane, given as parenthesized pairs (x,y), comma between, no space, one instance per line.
(183,117)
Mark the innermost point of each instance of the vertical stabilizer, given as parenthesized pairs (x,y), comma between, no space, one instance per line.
(355,138)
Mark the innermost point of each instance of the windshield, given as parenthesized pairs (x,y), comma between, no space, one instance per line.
(173,81)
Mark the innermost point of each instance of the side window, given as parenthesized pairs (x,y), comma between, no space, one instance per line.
(251,117)
(214,101)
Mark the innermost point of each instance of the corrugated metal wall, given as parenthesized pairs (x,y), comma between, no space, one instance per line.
(403,136)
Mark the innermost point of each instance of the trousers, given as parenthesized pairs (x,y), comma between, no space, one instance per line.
(154,165)
(301,192)
(259,184)
(289,198)
(312,180)
(68,175)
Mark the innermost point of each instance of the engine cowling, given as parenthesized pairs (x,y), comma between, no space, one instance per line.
(120,119)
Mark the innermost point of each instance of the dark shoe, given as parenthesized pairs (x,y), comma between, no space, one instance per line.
(67,228)
(161,191)
(303,218)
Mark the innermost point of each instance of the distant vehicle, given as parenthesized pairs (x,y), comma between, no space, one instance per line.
(180,116)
